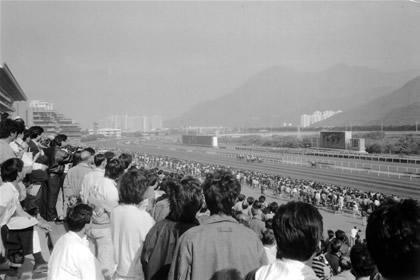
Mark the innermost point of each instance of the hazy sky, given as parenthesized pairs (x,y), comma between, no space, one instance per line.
(96,58)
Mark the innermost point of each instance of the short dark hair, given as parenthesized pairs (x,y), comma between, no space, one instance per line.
(250,200)
(7,127)
(109,155)
(393,239)
(77,158)
(59,139)
(114,169)
(261,199)
(90,150)
(185,199)
(257,204)
(26,134)
(98,159)
(126,159)
(10,169)
(361,261)
(35,131)
(298,228)
(221,189)
(273,206)
(341,235)
(78,217)
(268,237)
(336,245)
(241,197)
(20,125)
(132,187)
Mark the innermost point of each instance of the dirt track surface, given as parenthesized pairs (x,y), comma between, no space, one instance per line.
(403,187)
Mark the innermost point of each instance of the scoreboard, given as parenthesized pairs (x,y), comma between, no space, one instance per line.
(335,139)
(200,140)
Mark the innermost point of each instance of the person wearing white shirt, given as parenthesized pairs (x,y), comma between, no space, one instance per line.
(130,224)
(17,226)
(71,258)
(298,228)
(92,179)
(102,195)
(353,234)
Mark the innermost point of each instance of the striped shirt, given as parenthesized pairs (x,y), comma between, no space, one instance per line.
(321,267)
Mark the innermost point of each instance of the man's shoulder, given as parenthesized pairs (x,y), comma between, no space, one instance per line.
(6,186)
(211,230)
(7,192)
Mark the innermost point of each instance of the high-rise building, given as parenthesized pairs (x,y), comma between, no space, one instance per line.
(43,114)
(317,116)
(305,120)
(132,123)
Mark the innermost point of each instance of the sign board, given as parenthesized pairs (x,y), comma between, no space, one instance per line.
(200,140)
(335,139)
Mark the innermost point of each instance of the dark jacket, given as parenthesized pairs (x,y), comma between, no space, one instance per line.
(334,262)
(219,248)
(57,159)
(159,247)
(38,179)
(33,147)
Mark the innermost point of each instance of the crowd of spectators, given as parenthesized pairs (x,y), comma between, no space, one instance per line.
(136,216)
(334,197)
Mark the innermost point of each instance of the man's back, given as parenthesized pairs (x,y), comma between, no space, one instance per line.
(90,181)
(219,247)
(72,259)
(73,181)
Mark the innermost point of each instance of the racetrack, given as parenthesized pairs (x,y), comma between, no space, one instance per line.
(368,182)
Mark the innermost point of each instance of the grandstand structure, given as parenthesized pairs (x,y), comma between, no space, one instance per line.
(10,90)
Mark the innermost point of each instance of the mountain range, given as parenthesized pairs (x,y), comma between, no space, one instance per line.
(401,107)
(280,95)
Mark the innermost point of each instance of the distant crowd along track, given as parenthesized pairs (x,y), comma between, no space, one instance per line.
(334,153)
(365,182)
(373,162)
(396,170)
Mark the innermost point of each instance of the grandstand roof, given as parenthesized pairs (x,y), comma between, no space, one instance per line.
(9,86)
